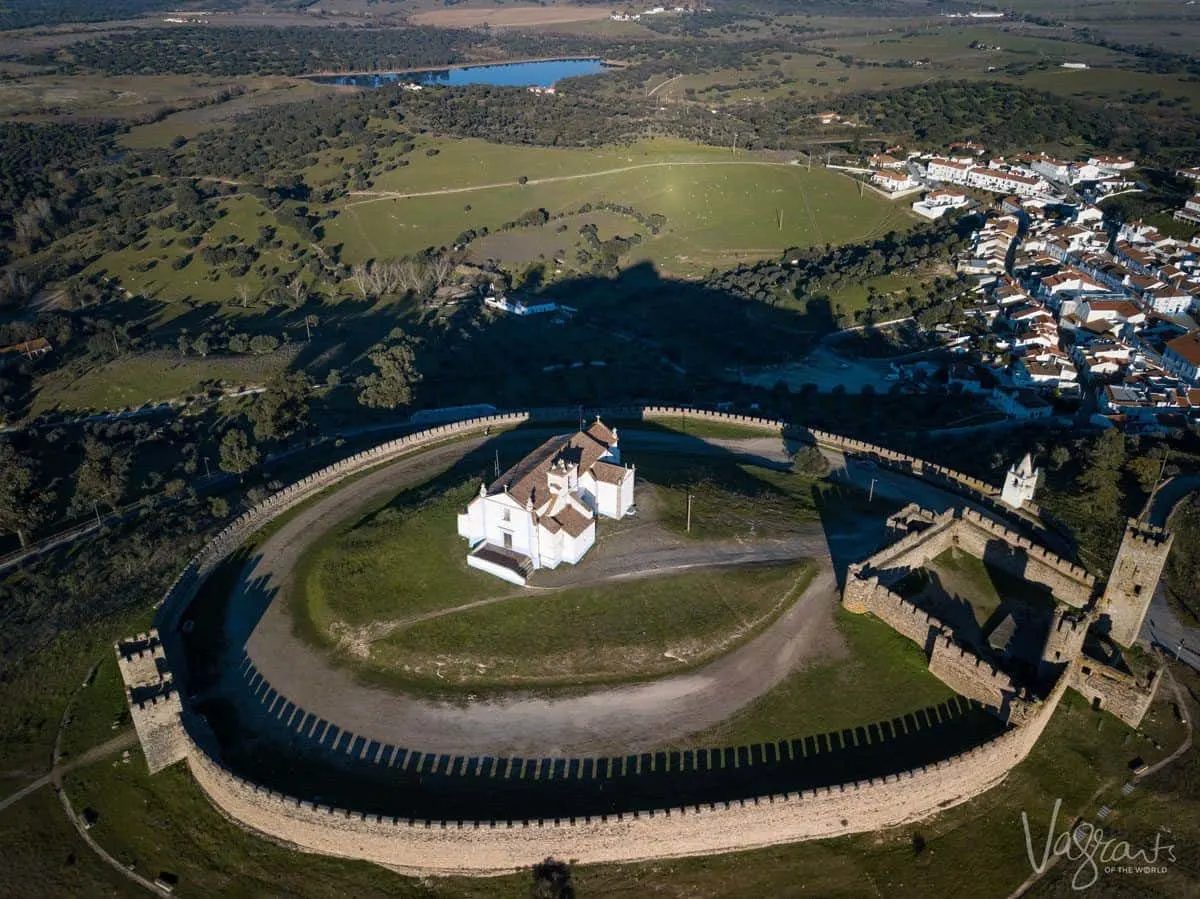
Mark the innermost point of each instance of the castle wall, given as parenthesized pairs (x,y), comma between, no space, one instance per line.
(989,540)
(868,595)
(1021,557)
(1134,579)
(970,676)
(1064,640)
(153,700)
(495,847)
(1116,691)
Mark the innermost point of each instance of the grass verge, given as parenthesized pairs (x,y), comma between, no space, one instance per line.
(618,631)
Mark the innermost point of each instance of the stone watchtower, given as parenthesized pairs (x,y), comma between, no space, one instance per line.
(1020,483)
(1134,578)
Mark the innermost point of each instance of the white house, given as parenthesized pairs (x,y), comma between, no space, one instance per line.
(947,170)
(1006,182)
(1190,211)
(1182,357)
(1168,301)
(893,182)
(518,307)
(937,202)
(542,511)
(1112,163)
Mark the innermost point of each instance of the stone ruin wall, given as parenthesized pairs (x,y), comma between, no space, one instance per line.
(1123,695)
(487,847)
(968,675)
(868,595)
(956,666)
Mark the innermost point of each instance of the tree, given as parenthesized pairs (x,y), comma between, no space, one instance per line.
(238,454)
(1147,470)
(552,880)
(282,408)
(21,506)
(103,477)
(1059,456)
(391,384)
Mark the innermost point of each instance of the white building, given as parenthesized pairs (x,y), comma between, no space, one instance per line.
(1006,182)
(947,170)
(1112,163)
(893,182)
(1182,357)
(938,202)
(518,307)
(542,512)
(1168,301)
(1190,211)
(1020,484)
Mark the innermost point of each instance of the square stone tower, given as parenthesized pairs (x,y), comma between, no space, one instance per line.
(1134,578)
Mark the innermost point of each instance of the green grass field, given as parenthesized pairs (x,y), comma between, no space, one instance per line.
(133,381)
(241,216)
(839,690)
(609,632)
(99,711)
(718,208)
(394,564)
(984,591)
(706,428)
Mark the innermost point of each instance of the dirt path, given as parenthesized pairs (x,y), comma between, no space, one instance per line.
(377,195)
(605,720)
(628,719)
(126,740)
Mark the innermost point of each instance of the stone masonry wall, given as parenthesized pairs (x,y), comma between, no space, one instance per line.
(1134,578)
(495,847)
(868,595)
(986,539)
(968,675)
(153,700)
(1117,692)
(1070,583)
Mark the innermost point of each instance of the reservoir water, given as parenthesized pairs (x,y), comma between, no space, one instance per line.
(540,73)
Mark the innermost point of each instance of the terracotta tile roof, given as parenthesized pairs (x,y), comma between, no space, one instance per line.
(527,480)
(1187,346)
(609,473)
(573,521)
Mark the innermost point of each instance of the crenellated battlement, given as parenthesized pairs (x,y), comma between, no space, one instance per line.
(477,847)
(1134,578)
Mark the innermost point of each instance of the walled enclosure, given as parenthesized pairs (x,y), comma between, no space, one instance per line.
(867,590)
(494,847)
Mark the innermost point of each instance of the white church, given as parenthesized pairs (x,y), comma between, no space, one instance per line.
(1020,484)
(542,511)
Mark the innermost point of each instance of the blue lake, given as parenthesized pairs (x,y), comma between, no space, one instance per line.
(542,73)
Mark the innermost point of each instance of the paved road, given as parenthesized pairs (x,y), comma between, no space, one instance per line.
(1163,627)
(607,719)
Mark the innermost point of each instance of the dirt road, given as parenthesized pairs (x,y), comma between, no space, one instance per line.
(614,719)
(609,720)
(377,195)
